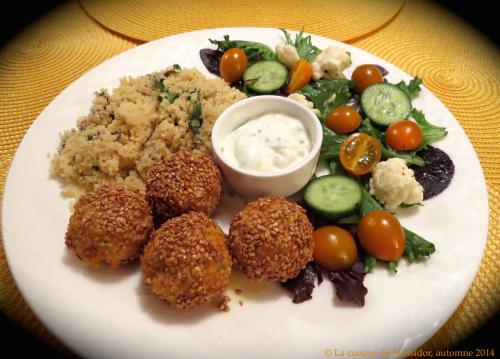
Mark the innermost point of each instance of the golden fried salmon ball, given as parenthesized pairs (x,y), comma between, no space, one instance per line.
(271,239)
(186,262)
(186,181)
(109,225)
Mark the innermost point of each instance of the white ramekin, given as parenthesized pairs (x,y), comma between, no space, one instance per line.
(280,184)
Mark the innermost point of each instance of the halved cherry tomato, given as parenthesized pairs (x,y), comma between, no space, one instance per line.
(381,235)
(300,75)
(233,64)
(343,119)
(366,75)
(334,248)
(359,153)
(404,135)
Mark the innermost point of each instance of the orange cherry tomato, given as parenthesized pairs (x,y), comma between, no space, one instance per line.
(359,153)
(404,135)
(381,235)
(334,248)
(300,75)
(366,75)
(343,119)
(232,65)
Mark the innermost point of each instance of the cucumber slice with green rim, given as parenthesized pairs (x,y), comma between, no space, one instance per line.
(265,76)
(333,196)
(385,103)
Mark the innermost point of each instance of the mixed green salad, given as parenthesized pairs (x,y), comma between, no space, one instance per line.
(376,147)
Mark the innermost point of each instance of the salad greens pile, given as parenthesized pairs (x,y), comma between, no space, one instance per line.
(378,103)
(417,248)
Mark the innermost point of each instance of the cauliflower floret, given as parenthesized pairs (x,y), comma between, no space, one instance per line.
(287,54)
(393,183)
(330,63)
(303,100)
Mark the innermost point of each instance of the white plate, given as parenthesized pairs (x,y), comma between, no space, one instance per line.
(100,313)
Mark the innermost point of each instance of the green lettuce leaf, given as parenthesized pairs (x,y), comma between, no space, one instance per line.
(412,89)
(417,248)
(303,44)
(370,263)
(352,219)
(328,94)
(432,133)
(368,203)
(255,51)
(393,266)
(335,167)
(331,145)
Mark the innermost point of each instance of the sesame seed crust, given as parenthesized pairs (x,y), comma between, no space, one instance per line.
(186,181)
(271,239)
(186,262)
(109,225)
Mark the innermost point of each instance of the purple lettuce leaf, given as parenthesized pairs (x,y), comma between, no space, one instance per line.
(354,102)
(211,59)
(349,285)
(436,174)
(382,70)
(302,285)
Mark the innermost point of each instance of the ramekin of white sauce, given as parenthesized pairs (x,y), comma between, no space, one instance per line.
(267,146)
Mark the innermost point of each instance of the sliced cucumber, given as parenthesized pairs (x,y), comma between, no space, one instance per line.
(385,103)
(333,196)
(265,76)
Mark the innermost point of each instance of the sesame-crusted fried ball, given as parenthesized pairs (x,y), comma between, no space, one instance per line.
(109,225)
(271,239)
(187,181)
(186,262)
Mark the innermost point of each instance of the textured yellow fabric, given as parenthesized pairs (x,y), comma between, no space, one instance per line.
(456,63)
(154,19)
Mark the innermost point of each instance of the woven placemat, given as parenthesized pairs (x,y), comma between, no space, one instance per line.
(34,67)
(461,68)
(456,63)
(153,19)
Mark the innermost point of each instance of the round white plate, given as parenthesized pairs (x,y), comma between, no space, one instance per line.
(109,314)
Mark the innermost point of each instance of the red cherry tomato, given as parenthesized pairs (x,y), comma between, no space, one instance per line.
(343,119)
(366,75)
(233,64)
(381,235)
(404,135)
(334,248)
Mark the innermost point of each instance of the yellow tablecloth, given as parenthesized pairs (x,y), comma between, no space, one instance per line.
(456,62)
(153,19)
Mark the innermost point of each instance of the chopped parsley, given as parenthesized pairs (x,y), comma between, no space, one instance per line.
(165,93)
(196,120)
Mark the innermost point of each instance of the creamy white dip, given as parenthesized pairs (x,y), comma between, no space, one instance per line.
(267,144)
